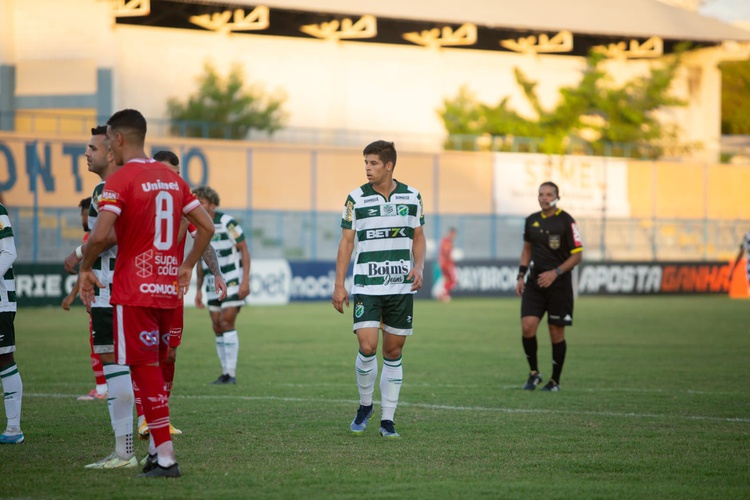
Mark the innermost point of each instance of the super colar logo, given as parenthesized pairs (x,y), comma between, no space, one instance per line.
(392,232)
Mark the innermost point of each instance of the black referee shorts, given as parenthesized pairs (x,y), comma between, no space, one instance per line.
(556,301)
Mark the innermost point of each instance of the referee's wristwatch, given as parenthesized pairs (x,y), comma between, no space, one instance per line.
(558,271)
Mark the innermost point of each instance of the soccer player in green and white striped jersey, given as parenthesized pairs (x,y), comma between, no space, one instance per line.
(387,219)
(9,376)
(234,260)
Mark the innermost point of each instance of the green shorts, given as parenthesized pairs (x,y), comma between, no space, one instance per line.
(7,332)
(102,330)
(394,312)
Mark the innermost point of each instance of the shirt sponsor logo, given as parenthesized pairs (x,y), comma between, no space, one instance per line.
(402,197)
(371,199)
(233,230)
(159,185)
(389,210)
(143,264)
(372,212)
(166,265)
(149,339)
(348,211)
(159,288)
(393,232)
(108,195)
(392,272)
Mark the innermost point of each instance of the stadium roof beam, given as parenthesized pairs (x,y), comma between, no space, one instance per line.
(632,29)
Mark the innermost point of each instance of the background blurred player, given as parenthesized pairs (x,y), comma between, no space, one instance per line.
(234,260)
(99,392)
(9,376)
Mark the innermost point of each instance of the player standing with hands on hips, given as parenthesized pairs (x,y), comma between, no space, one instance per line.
(552,247)
(387,217)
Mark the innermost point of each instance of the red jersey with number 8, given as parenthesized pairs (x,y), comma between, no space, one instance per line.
(149,200)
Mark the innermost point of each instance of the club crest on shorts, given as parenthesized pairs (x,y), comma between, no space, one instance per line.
(554,241)
(359,310)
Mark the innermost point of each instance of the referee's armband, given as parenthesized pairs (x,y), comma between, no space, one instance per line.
(522,271)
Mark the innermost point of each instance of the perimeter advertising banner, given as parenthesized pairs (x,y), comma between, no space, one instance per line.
(279,282)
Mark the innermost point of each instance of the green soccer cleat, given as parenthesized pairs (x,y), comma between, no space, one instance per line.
(114,461)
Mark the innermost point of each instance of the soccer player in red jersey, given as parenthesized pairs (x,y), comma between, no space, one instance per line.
(447,265)
(143,203)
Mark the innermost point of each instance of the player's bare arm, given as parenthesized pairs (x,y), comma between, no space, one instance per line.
(344,255)
(525,261)
(419,249)
(244,290)
(72,260)
(212,261)
(205,231)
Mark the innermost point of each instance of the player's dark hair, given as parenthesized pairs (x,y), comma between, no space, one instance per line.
(167,156)
(129,122)
(99,130)
(207,194)
(85,203)
(385,150)
(553,186)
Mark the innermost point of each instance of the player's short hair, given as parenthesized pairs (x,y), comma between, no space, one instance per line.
(207,194)
(99,130)
(85,203)
(552,185)
(385,150)
(167,156)
(129,122)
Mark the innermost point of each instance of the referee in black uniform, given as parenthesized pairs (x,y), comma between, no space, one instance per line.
(552,247)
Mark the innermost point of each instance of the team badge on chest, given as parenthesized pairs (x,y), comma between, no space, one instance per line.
(554,241)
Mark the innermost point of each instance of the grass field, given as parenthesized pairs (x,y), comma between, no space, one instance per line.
(654,405)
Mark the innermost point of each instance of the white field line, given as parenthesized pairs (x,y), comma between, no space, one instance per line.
(556,411)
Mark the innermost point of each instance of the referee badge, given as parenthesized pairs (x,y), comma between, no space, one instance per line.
(554,241)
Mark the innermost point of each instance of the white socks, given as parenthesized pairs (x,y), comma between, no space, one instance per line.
(390,386)
(367,372)
(120,388)
(13,389)
(231,350)
(220,351)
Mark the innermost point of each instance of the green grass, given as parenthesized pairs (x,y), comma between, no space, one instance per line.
(654,405)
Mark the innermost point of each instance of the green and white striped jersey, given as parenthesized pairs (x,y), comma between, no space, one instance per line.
(7,257)
(226,236)
(104,266)
(385,237)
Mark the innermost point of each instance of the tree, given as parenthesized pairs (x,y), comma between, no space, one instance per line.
(735,97)
(591,115)
(224,108)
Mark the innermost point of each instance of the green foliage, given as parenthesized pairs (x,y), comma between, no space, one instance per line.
(592,115)
(644,411)
(224,108)
(735,97)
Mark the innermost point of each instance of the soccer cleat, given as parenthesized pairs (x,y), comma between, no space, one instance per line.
(12,437)
(149,462)
(114,461)
(174,430)
(223,379)
(143,431)
(534,380)
(387,430)
(159,471)
(230,380)
(359,424)
(92,396)
(551,386)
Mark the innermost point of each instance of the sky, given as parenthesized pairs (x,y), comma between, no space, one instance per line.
(727,10)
